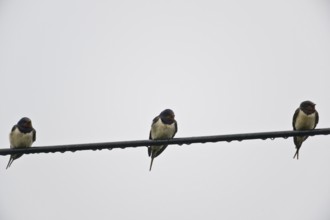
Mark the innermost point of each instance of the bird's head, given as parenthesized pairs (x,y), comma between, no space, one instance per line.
(308,107)
(25,123)
(167,116)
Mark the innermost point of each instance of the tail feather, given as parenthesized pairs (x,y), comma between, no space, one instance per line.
(11,160)
(152,160)
(296,154)
(298,142)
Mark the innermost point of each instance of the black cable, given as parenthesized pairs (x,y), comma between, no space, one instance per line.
(179,141)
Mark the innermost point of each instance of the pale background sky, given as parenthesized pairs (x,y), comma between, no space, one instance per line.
(99,71)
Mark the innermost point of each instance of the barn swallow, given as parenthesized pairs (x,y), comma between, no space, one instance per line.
(304,118)
(163,127)
(22,135)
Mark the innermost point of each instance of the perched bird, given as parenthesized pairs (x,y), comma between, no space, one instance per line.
(305,118)
(22,135)
(163,127)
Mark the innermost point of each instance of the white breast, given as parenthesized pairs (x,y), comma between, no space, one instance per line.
(159,130)
(20,140)
(305,122)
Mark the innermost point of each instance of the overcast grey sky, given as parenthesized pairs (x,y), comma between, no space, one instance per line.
(98,71)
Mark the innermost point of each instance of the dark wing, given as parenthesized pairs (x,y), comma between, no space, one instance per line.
(294,118)
(176,128)
(150,135)
(153,122)
(149,148)
(34,133)
(316,118)
(150,138)
(14,127)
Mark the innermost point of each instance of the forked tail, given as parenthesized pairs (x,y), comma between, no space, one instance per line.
(152,160)
(296,154)
(10,162)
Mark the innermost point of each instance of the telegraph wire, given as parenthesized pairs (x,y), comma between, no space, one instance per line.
(176,141)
